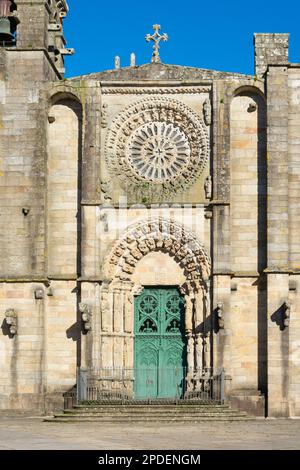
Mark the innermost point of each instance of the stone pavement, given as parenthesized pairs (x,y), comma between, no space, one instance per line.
(31,433)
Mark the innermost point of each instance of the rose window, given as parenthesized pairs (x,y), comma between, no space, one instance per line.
(158,151)
(156,147)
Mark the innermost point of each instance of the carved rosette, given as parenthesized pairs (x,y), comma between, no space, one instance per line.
(159,235)
(157,141)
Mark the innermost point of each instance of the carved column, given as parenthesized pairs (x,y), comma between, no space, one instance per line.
(117,310)
(206,353)
(128,328)
(107,352)
(207,300)
(189,310)
(207,330)
(128,352)
(190,362)
(97,339)
(128,307)
(199,310)
(105,308)
(199,354)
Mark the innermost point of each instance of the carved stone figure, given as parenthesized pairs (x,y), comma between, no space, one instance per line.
(117,310)
(130,260)
(207,112)
(128,269)
(143,248)
(105,310)
(136,253)
(105,188)
(199,313)
(189,309)
(104,116)
(151,244)
(208,187)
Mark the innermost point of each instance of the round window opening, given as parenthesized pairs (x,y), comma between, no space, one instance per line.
(158,151)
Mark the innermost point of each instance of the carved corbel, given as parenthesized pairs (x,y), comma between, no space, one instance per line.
(220,315)
(86,316)
(11,320)
(286,313)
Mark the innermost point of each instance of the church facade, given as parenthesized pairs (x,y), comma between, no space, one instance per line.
(149,223)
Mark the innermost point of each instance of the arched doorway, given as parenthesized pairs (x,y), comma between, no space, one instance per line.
(160,344)
(140,344)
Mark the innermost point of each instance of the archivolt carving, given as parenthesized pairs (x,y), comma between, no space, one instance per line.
(159,235)
(157,140)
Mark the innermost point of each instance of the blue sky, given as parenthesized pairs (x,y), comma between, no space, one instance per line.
(214,34)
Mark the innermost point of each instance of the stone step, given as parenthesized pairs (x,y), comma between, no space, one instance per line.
(148,415)
(145,412)
(147,405)
(157,413)
(161,402)
(135,419)
(148,409)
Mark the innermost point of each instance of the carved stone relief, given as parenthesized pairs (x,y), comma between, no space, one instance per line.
(104,116)
(207,112)
(208,187)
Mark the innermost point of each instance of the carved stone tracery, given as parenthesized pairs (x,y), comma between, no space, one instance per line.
(158,151)
(157,140)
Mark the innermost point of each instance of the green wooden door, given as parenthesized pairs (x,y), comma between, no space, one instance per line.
(160,349)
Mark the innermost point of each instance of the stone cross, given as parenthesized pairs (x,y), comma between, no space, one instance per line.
(156,38)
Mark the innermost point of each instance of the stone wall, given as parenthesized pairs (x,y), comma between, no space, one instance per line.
(270,49)
(22,162)
(64,161)
(248,183)
(38,363)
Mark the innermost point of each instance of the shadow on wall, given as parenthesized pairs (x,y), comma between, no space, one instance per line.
(6,329)
(278,317)
(73,332)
